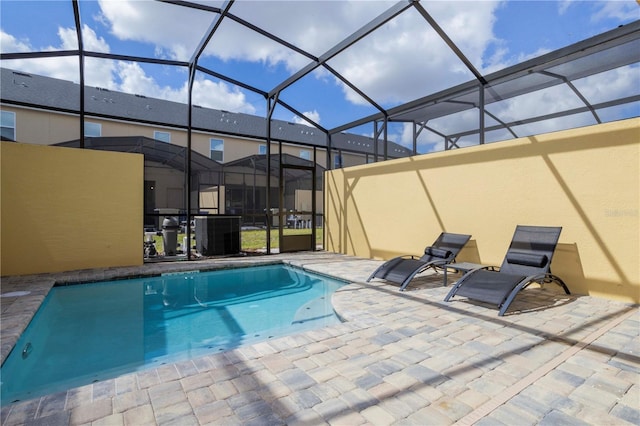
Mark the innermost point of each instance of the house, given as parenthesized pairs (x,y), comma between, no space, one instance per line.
(44,110)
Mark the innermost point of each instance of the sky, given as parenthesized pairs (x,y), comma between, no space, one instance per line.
(401,61)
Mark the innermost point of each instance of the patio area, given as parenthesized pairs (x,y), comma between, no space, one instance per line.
(399,358)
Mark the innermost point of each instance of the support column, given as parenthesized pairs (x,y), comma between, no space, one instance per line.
(76,13)
(271,105)
(481,109)
(187,166)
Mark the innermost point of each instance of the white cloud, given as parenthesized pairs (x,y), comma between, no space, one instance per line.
(69,38)
(405,136)
(65,68)
(220,95)
(603,87)
(175,30)
(232,42)
(613,84)
(122,76)
(405,60)
(206,93)
(11,44)
(312,115)
(399,62)
(564,5)
(133,79)
(386,65)
(623,11)
(619,10)
(313,26)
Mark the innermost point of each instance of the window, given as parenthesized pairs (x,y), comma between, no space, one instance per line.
(8,125)
(305,154)
(262,149)
(217,149)
(162,136)
(337,161)
(93,130)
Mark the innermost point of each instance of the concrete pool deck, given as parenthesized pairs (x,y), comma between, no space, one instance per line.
(399,358)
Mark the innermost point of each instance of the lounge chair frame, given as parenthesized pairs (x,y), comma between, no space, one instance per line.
(537,242)
(402,269)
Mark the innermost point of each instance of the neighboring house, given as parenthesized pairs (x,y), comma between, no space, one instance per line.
(43,110)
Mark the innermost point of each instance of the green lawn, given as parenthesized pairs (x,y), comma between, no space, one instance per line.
(257,239)
(253,239)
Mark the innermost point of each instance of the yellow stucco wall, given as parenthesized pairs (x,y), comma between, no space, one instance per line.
(66,209)
(585,180)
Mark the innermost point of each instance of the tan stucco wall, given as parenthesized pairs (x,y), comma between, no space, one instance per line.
(166,179)
(585,180)
(51,128)
(55,127)
(66,209)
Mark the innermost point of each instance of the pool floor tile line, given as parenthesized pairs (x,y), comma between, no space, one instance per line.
(400,358)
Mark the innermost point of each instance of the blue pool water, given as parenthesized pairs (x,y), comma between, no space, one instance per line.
(92,332)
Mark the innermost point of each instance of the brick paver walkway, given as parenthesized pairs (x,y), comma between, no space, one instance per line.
(399,358)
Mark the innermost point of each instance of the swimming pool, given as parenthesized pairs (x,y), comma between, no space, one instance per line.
(92,332)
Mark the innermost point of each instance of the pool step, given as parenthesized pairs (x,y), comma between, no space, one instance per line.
(313,311)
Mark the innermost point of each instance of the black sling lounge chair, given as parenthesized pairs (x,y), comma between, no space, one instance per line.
(527,261)
(402,269)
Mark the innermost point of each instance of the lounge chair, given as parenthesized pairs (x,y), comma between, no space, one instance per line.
(402,269)
(527,261)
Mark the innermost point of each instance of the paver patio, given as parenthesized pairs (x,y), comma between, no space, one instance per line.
(399,358)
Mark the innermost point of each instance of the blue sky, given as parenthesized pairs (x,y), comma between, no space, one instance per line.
(399,62)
